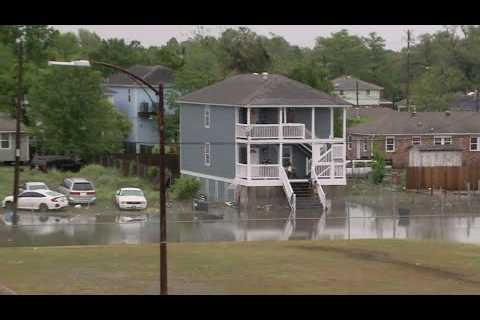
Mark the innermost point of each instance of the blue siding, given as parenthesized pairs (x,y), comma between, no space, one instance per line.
(221,135)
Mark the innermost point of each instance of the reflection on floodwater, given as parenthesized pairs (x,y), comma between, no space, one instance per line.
(347,219)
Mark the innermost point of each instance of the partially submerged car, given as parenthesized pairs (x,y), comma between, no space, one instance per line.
(130,198)
(78,191)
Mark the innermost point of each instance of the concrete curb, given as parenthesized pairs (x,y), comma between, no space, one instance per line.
(6,291)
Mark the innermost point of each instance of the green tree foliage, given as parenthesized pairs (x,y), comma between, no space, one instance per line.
(185,188)
(7,80)
(244,51)
(64,47)
(435,88)
(71,114)
(378,166)
(89,41)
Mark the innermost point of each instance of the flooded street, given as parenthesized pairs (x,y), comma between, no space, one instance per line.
(348,218)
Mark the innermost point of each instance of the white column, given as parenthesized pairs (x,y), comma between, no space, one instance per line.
(248,115)
(331,122)
(344,133)
(280,154)
(248,161)
(313,123)
(280,124)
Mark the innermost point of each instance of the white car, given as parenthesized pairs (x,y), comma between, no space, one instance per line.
(38,200)
(130,198)
(34,186)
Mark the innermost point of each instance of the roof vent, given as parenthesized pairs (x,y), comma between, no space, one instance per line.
(431,129)
(414,113)
(264,75)
(255,74)
(447,113)
(419,123)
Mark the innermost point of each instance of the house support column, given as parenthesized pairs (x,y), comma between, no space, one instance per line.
(331,123)
(280,154)
(248,145)
(344,134)
(313,123)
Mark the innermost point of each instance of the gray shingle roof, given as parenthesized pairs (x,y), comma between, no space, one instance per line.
(9,124)
(348,83)
(251,89)
(152,74)
(386,121)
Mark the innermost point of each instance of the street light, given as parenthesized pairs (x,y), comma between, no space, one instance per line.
(161,127)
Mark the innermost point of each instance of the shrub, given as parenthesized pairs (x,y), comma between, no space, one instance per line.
(378,167)
(185,188)
(152,172)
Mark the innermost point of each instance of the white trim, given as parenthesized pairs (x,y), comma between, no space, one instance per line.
(209,163)
(415,134)
(477,143)
(206,176)
(290,141)
(216,191)
(266,106)
(386,144)
(9,135)
(416,144)
(332,120)
(442,140)
(207,111)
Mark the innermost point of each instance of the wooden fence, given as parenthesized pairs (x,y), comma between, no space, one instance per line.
(445,178)
(139,164)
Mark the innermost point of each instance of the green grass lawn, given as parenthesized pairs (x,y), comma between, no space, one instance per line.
(271,267)
(106,180)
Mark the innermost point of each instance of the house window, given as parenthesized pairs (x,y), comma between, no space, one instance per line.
(287,156)
(416,140)
(365,146)
(442,140)
(367,92)
(390,144)
(4,141)
(474,145)
(129,95)
(207,155)
(349,142)
(206,116)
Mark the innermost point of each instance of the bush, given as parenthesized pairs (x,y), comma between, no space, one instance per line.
(152,172)
(378,167)
(185,188)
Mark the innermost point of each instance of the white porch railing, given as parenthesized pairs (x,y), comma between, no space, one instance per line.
(287,187)
(330,165)
(241,170)
(321,193)
(271,131)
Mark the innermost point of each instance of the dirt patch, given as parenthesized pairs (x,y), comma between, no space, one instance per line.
(383,257)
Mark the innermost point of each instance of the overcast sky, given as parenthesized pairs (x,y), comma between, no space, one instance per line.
(301,35)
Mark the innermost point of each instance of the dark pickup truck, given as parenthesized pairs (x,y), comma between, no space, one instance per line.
(62,163)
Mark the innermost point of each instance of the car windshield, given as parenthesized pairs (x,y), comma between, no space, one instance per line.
(53,193)
(131,193)
(37,187)
(82,186)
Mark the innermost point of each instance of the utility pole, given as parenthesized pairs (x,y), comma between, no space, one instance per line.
(163,215)
(17,130)
(408,70)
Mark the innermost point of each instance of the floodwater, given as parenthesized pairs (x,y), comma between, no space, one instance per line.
(414,217)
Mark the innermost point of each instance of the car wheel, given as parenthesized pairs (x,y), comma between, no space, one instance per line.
(43,207)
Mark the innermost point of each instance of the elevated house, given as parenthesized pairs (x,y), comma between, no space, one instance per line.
(7,140)
(394,133)
(254,131)
(139,104)
(358,92)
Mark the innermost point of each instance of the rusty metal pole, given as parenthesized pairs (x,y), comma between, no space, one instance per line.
(17,131)
(163,213)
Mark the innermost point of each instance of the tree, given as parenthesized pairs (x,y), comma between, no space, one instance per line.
(313,74)
(89,41)
(244,51)
(378,166)
(64,47)
(434,90)
(170,55)
(7,79)
(71,114)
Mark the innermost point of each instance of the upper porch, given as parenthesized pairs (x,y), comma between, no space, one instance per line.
(287,124)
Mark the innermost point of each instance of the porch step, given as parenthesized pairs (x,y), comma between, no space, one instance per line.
(306,203)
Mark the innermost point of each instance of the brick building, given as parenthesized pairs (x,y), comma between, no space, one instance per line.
(394,133)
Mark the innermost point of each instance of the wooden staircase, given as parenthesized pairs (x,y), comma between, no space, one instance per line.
(306,197)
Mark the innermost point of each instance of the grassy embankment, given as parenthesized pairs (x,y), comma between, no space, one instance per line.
(357,266)
(106,180)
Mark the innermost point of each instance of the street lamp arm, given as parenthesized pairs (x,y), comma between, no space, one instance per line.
(127,72)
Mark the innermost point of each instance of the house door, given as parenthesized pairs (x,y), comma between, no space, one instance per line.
(357,150)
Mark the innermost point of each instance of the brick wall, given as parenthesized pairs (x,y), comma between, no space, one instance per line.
(402,143)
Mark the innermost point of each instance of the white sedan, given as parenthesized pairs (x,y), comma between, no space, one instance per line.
(38,200)
(130,198)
